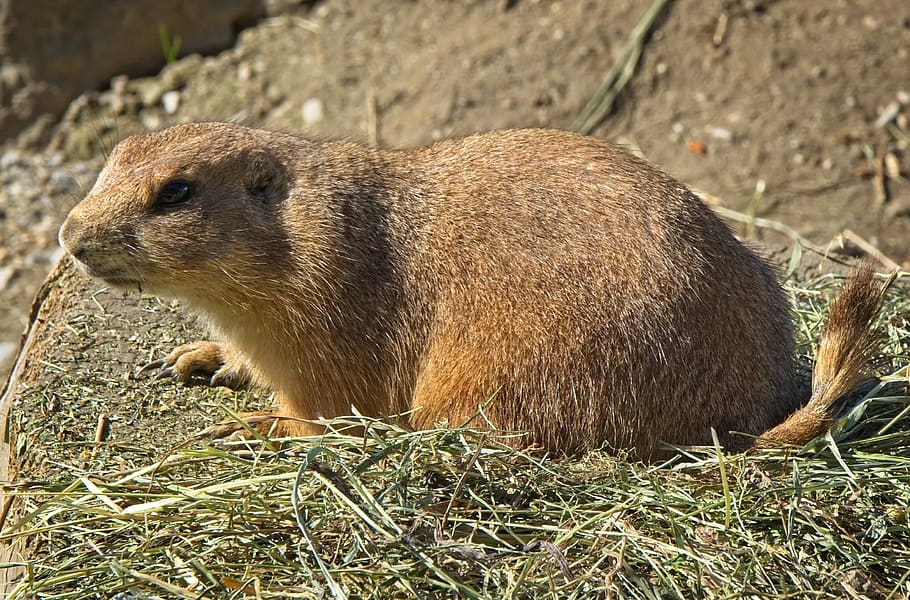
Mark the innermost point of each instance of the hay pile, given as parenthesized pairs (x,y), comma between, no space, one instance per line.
(451,513)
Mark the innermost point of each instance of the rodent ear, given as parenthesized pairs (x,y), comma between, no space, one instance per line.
(265,177)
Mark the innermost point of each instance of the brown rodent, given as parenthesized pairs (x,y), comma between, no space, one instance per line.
(532,280)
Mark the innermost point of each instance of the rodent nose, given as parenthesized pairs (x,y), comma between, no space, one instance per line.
(62,235)
(68,235)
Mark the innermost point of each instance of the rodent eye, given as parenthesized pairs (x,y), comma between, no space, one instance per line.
(174,193)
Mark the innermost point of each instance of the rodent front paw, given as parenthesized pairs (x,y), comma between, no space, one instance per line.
(201,358)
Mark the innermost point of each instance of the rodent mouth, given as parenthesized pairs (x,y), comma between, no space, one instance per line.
(121,282)
(118,280)
(111,276)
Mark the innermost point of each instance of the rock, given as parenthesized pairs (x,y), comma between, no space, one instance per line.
(151,121)
(10,159)
(244,72)
(149,91)
(312,111)
(176,75)
(721,133)
(888,114)
(170,101)
(50,52)
(119,85)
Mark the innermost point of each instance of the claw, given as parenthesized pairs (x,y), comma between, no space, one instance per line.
(228,378)
(155,364)
(165,373)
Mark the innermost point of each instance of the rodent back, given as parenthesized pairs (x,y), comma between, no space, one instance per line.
(603,286)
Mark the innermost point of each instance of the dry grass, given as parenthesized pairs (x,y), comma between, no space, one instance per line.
(392,513)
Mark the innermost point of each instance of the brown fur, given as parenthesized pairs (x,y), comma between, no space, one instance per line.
(847,345)
(537,280)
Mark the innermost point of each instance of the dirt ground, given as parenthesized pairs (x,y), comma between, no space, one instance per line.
(790,110)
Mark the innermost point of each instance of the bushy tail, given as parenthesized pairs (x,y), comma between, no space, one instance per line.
(847,345)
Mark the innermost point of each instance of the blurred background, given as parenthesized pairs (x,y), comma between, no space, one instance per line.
(793,113)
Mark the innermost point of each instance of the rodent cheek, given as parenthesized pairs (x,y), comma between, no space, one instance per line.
(174,246)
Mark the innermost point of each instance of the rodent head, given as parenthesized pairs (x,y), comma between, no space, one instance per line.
(186,212)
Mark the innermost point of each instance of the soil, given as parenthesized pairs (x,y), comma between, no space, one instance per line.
(790,110)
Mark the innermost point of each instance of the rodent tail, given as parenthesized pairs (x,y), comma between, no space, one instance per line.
(847,344)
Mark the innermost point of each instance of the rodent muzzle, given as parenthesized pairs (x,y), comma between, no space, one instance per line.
(67,238)
(93,257)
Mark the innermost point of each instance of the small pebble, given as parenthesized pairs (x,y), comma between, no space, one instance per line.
(312,111)
(170,101)
(150,120)
(119,84)
(720,133)
(6,274)
(10,159)
(892,166)
(888,114)
(150,92)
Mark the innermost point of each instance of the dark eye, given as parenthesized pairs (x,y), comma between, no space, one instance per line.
(174,193)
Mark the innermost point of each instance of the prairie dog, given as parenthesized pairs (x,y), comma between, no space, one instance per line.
(531,280)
